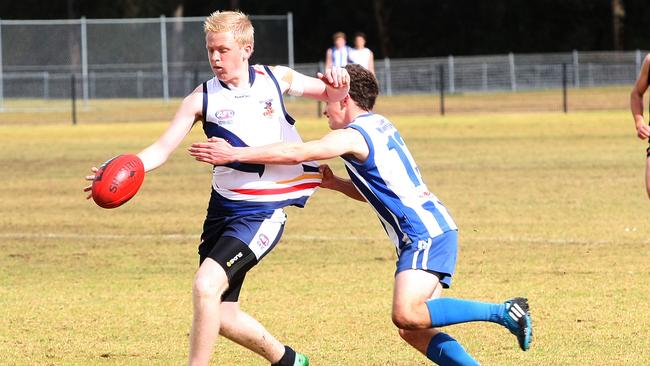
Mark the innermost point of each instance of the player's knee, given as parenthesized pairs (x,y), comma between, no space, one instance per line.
(206,287)
(404,320)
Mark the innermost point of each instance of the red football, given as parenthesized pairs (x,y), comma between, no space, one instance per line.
(117,180)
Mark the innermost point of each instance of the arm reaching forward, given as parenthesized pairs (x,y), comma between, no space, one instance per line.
(345,186)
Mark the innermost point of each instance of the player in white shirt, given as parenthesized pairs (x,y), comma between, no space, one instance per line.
(383,173)
(360,54)
(245,220)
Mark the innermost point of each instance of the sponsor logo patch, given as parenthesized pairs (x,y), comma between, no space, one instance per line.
(234,259)
(224,116)
(263,241)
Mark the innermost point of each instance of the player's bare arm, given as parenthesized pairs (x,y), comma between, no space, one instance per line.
(157,153)
(636,100)
(335,183)
(330,86)
(339,142)
(187,114)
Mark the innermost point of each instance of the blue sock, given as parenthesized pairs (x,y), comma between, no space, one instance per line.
(446,351)
(447,311)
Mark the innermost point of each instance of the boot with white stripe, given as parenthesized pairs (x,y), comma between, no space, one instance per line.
(517,319)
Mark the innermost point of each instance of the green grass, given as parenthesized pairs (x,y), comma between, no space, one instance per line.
(550,206)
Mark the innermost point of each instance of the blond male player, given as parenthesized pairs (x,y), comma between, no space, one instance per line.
(242,104)
(636,106)
(383,173)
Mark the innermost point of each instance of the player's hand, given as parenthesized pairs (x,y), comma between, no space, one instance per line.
(215,151)
(336,77)
(90,178)
(328,179)
(642,130)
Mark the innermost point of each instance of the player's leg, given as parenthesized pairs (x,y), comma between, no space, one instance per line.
(433,261)
(209,283)
(243,243)
(244,330)
(420,338)
(413,287)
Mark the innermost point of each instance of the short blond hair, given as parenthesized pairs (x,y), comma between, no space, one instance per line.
(231,21)
(338,35)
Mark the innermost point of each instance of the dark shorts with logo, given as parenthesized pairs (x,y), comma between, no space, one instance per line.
(238,243)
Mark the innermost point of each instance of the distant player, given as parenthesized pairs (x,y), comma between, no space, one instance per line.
(339,53)
(383,173)
(636,105)
(360,54)
(244,105)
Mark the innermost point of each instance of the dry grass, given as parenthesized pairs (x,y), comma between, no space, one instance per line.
(550,206)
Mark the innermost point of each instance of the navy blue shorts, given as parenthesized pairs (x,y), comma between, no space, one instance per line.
(238,243)
(436,255)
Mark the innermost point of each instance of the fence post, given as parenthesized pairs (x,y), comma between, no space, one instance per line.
(452,74)
(139,87)
(46,85)
(290,38)
(513,76)
(484,75)
(441,81)
(576,69)
(389,82)
(84,61)
(2,99)
(564,87)
(163,58)
(73,96)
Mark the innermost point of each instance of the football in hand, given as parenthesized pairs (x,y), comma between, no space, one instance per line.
(117,180)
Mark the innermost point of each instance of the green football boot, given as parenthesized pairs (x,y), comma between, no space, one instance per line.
(301,360)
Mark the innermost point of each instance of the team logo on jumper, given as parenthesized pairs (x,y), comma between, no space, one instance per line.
(224,116)
(268,108)
(263,241)
(234,259)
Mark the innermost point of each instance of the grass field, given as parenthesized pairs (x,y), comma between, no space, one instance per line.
(58,111)
(550,206)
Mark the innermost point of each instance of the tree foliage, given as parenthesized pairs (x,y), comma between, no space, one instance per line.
(405,28)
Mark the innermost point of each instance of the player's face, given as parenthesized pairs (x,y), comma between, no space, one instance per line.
(227,58)
(359,42)
(339,42)
(335,113)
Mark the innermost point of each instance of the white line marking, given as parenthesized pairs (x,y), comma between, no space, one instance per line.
(289,236)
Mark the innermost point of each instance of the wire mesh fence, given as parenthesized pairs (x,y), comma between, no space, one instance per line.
(117,58)
(104,60)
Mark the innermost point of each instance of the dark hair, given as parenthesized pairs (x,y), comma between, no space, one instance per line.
(360,34)
(363,86)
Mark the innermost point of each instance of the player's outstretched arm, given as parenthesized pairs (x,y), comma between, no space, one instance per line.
(345,186)
(217,151)
(636,100)
(187,114)
(330,86)
(158,152)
